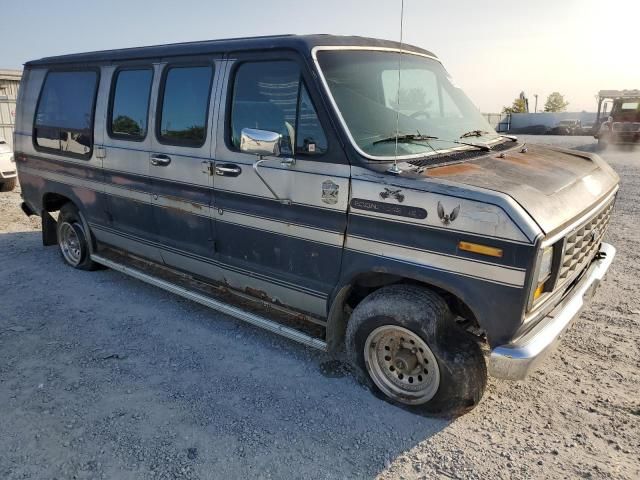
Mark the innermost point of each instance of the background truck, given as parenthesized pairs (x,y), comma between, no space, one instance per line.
(622,125)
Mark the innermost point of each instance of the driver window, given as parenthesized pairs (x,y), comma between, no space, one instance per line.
(271,96)
(265,97)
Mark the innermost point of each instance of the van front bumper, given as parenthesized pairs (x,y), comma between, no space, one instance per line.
(515,360)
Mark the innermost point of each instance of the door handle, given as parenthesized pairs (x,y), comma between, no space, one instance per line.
(228,170)
(160,160)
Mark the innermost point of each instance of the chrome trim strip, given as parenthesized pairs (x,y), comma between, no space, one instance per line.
(227,309)
(515,360)
(338,113)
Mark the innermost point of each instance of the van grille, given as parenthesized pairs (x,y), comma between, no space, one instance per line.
(583,242)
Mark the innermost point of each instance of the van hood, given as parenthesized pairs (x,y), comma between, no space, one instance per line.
(553,185)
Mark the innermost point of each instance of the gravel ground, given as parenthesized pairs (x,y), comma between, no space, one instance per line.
(102,376)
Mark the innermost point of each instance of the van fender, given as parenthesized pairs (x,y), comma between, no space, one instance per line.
(337,317)
(497,309)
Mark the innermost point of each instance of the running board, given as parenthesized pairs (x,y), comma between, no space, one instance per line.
(252,318)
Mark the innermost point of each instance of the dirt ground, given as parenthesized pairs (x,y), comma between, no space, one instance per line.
(102,376)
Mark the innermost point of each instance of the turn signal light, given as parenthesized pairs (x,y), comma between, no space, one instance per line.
(538,291)
(481,249)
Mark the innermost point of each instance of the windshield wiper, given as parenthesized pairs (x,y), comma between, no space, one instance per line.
(474,133)
(481,146)
(417,137)
(405,138)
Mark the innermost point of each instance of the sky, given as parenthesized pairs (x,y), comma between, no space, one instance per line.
(494,49)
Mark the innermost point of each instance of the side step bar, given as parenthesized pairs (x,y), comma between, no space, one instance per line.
(252,318)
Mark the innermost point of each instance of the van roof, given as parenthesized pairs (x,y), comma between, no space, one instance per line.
(300,43)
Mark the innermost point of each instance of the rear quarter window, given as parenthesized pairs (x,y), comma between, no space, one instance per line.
(64,116)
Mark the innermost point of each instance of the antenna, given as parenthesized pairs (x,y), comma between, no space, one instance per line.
(394,168)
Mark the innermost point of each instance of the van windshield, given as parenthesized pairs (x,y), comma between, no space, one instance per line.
(364,85)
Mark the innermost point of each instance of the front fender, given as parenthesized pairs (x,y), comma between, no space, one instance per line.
(498,308)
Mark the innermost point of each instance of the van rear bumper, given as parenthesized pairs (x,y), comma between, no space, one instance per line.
(514,361)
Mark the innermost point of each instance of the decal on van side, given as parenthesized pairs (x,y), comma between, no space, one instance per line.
(389,209)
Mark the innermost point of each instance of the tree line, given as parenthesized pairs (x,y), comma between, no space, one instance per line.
(555,103)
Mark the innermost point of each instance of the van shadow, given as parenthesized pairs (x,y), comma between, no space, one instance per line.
(184,379)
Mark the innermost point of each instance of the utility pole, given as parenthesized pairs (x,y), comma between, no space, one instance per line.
(535,109)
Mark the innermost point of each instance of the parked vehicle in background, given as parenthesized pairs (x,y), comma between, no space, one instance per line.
(8,173)
(587,128)
(622,126)
(567,127)
(290,182)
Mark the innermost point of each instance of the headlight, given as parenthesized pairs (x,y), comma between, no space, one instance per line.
(545,264)
(544,272)
(12,159)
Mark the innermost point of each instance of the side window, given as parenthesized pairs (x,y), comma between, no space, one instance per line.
(185,105)
(271,96)
(130,104)
(310,137)
(64,116)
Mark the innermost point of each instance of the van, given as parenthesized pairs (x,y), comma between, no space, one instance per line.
(340,191)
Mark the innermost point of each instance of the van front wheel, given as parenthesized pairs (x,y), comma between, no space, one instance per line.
(403,342)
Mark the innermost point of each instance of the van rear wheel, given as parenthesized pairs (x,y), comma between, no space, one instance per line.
(403,342)
(72,239)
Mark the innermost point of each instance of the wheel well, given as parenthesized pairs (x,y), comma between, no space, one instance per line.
(367,283)
(52,202)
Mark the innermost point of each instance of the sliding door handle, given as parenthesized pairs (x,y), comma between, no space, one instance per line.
(160,160)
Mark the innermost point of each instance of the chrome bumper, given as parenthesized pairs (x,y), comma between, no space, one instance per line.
(515,360)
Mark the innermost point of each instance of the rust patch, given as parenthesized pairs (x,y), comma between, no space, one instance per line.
(456,169)
(254,292)
(525,160)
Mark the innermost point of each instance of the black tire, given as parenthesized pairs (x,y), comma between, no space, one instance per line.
(461,364)
(70,218)
(8,185)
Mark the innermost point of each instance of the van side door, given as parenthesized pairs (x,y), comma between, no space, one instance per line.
(286,249)
(179,164)
(128,135)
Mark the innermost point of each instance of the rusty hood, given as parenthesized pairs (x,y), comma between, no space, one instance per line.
(553,185)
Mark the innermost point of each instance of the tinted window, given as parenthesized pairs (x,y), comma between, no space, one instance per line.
(130,107)
(64,117)
(185,104)
(268,96)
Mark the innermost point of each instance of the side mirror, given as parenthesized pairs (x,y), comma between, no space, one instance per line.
(260,142)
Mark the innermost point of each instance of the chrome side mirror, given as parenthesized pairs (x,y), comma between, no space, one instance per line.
(260,142)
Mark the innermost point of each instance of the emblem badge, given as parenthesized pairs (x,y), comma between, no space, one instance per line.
(447,218)
(395,194)
(330,191)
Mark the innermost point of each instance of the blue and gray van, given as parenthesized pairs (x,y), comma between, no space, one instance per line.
(340,191)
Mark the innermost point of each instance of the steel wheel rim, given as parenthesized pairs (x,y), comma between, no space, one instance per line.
(70,244)
(401,364)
